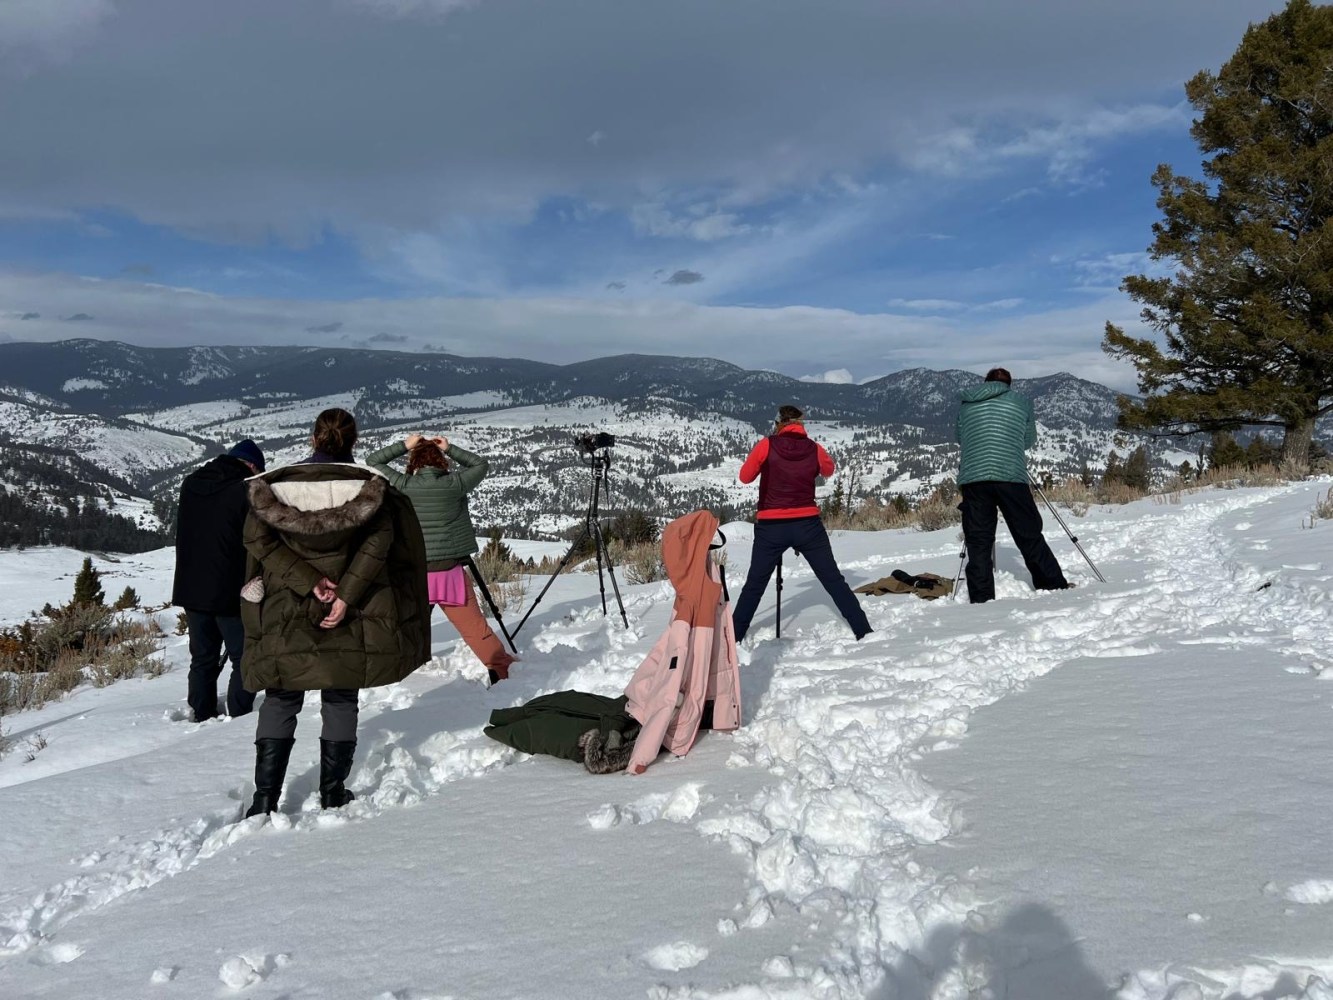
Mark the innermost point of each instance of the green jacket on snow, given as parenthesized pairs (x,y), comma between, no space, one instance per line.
(995,427)
(440,500)
(552,723)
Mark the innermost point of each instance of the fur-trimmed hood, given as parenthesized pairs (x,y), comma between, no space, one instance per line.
(316,500)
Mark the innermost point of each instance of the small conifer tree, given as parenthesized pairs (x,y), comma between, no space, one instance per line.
(1136,473)
(88,584)
(1225,451)
(128,599)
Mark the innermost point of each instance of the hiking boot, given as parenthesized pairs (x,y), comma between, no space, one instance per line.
(335,764)
(271,756)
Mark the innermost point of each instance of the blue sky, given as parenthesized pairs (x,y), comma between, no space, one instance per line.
(848,187)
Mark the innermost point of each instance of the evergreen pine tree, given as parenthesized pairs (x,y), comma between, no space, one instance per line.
(1112,473)
(1136,472)
(496,550)
(128,599)
(1246,312)
(88,584)
(1225,451)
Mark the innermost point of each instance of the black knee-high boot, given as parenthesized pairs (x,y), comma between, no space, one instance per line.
(271,756)
(335,764)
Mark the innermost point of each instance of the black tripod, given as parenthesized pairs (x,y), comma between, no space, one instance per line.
(490,601)
(592,529)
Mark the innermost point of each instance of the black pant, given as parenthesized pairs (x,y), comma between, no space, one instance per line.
(980,503)
(208,634)
(277,715)
(807,536)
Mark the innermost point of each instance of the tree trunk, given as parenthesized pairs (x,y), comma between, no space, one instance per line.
(1296,445)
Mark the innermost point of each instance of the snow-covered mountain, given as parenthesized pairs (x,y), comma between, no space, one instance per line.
(682,424)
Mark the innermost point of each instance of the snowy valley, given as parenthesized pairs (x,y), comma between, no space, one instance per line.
(146,416)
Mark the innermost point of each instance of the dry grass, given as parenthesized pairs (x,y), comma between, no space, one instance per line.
(641,561)
(1323,507)
(510,595)
(44,658)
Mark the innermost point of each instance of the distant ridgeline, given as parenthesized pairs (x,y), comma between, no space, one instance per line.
(139,418)
(50,496)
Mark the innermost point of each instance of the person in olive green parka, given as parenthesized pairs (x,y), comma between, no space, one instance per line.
(439,493)
(334,601)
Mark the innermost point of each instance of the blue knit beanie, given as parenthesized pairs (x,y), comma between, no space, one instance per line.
(248,451)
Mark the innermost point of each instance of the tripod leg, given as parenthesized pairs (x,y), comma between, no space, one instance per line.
(1056,514)
(490,601)
(957,580)
(779,597)
(558,570)
(603,551)
(601,580)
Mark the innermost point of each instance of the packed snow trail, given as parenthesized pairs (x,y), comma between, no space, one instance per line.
(784,861)
(834,836)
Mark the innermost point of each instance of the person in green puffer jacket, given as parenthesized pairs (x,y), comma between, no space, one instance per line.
(995,428)
(439,495)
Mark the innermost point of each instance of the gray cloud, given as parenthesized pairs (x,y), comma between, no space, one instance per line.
(138,270)
(78,318)
(307,143)
(615,286)
(389,338)
(684,277)
(324,328)
(31,316)
(33,31)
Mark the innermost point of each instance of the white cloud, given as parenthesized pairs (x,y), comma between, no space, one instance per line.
(928,305)
(838,376)
(699,222)
(411,8)
(1065,141)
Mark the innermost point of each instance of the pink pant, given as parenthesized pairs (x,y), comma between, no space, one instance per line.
(476,632)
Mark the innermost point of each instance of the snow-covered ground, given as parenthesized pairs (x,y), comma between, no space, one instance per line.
(1118,790)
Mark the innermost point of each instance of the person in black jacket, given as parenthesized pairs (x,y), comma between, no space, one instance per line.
(210,571)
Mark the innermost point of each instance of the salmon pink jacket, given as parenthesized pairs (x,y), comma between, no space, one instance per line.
(693,667)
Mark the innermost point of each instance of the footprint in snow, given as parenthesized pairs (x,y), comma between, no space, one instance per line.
(677,806)
(675,957)
(242,971)
(58,954)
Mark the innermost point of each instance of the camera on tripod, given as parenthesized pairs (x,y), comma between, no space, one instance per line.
(590,443)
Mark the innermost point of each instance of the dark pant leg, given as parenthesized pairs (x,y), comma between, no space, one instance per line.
(771,539)
(339,711)
(239,700)
(1024,521)
(277,714)
(205,664)
(979,519)
(812,542)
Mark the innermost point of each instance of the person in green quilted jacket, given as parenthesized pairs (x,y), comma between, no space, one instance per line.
(439,477)
(995,428)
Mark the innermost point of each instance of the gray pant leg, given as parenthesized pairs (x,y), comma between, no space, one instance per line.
(277,715)
(339,711)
